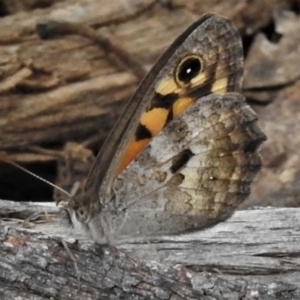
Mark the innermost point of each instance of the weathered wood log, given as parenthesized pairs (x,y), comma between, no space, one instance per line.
(253,255)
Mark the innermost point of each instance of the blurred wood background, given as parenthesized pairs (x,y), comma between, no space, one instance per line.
(59,97)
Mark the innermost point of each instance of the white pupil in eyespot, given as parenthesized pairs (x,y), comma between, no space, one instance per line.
(189,69)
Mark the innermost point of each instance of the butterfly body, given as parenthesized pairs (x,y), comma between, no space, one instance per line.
(184,153)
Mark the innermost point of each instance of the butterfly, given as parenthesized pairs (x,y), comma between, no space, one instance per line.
(184,152)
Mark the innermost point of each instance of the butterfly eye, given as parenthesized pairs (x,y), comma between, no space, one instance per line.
(188,68)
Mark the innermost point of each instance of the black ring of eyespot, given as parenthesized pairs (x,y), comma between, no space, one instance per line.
(188,68)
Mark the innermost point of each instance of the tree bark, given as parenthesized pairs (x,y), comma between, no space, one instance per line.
(253,255)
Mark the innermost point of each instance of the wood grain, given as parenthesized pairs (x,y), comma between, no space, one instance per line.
(253,255)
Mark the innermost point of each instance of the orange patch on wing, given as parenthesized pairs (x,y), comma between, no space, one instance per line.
(181,105)
(133,149)
(154,120)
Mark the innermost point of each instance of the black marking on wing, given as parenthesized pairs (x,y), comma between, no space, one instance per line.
(142,132)
(180,160)
(163,101)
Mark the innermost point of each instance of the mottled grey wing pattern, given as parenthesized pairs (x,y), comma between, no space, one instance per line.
(194,173)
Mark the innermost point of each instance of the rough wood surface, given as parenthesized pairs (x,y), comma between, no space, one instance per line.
(254,255)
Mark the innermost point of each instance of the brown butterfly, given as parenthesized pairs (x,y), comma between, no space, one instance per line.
(184,152)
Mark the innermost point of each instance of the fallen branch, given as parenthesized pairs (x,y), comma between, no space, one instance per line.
(254,255)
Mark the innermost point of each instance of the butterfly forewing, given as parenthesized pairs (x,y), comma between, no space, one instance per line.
(173,84)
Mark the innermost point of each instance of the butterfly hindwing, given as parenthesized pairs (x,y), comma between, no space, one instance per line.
(195,172)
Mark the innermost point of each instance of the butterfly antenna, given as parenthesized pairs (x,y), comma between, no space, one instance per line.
(4,157)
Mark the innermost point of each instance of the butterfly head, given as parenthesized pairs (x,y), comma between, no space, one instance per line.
(83,207)
(81,210)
